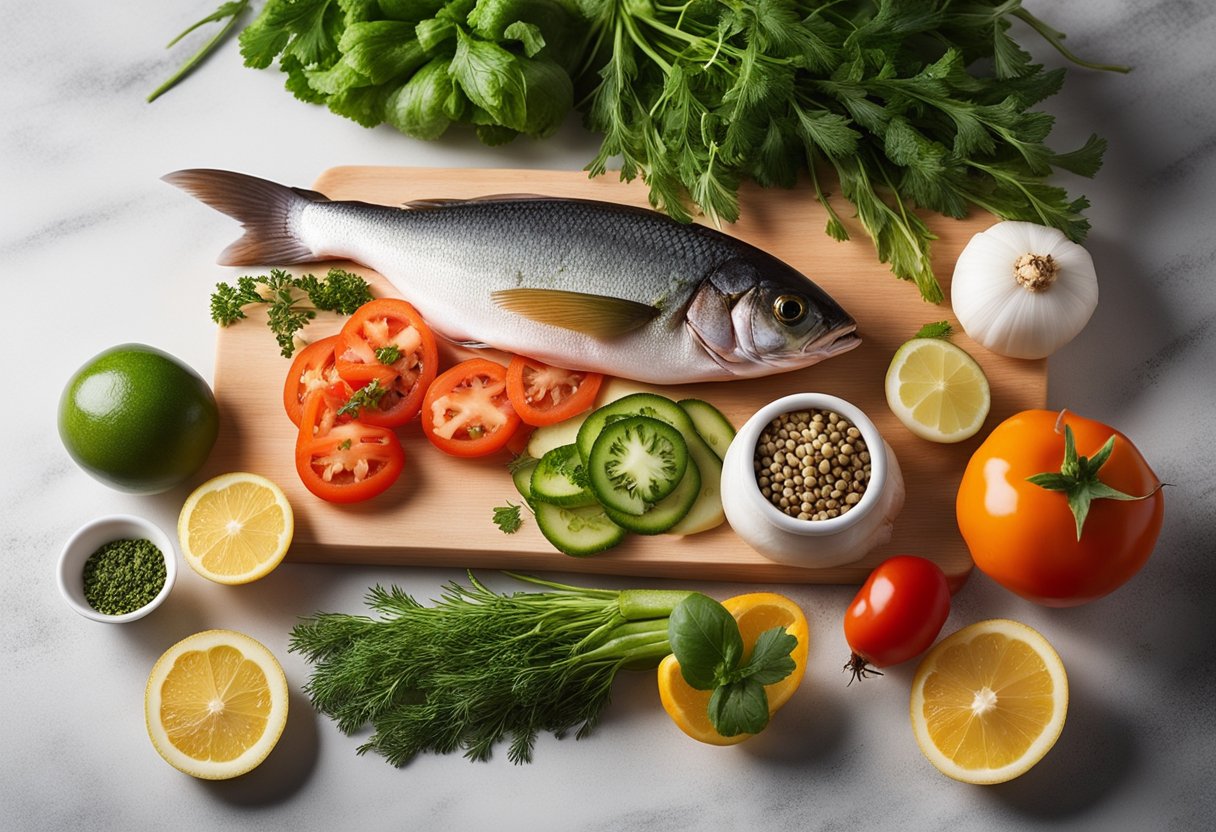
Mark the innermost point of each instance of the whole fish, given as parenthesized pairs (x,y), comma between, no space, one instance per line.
(575,283)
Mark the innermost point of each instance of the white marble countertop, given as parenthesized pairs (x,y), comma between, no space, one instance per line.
(97,251)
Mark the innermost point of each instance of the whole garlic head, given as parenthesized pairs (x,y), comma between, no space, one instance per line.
(1023,290)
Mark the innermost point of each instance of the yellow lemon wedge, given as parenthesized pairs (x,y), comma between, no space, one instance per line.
(235,528)
(989,701)
(755,613)
(937,390)
(216,704)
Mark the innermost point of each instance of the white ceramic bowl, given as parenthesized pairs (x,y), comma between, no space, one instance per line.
(812,543)
(92,536)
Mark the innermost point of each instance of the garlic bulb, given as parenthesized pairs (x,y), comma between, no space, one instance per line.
(1023,290)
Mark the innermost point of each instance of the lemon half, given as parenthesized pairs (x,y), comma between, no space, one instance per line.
(216,704)
(235,528)
(989,701)
(937,390)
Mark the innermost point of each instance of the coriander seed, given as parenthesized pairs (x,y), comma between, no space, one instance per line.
(812,465)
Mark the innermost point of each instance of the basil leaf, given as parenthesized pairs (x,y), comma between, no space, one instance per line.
(739,708)
(705,640)
(770,661)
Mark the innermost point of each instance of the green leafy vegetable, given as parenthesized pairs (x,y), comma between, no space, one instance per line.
(889,98)
(508,518)
(938,329)
(705,639)
(339,291)
(388,355)
(479,668)
(367,396)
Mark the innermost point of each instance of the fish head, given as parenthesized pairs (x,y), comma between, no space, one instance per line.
(756,315)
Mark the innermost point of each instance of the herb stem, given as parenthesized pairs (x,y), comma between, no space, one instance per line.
(1056,40)
(233,11)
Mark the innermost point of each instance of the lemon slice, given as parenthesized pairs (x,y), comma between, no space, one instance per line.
(989,701)
(216,704)
(235,528)
(755,613)
(937,390)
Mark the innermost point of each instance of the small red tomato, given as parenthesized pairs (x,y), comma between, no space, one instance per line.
(896,615)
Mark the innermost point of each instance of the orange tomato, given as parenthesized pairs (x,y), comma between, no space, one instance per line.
(1025,537)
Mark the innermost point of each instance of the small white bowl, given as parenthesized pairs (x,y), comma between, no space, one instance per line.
(811,543)
(91,537)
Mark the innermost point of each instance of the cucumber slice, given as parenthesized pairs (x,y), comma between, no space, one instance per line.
(521,475)
(638,404)
(635,463)
(579,531)
(707,512)
(666,514)
(711,424)
(558,479)
(545,439)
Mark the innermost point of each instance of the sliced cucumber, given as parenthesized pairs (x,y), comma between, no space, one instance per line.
(638,404)
(545,439)
(666,514)
(521,475)
(707,512)
(635,463)
(711,424)
(578,532)
(558,478)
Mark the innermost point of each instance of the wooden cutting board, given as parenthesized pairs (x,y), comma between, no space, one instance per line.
(439,512)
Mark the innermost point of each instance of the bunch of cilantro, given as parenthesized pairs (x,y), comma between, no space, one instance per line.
(900,104)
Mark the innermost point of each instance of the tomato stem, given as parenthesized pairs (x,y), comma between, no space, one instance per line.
(860,668)
(1078,479)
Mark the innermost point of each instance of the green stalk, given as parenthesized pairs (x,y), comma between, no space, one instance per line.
(233,11)
(1055,38)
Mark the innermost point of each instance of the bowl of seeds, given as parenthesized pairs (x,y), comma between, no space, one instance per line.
(117,568)
(809,481)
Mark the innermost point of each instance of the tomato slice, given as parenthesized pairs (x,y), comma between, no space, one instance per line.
(389,324)
(544,395)
(342,460)
(314,368)
(466,411)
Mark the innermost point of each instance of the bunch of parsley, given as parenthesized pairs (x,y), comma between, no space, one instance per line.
(901,104)
(904,103)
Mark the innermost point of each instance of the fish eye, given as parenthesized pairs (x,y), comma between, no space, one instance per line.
(790,309)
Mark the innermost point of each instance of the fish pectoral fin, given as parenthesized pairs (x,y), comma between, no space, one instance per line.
(594,315)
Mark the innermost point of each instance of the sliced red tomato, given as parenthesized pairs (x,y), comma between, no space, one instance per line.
(314,368)
(343,460)
(544,395)
(387,341)
(466,411)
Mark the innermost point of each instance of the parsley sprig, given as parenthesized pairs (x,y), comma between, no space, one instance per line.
(283,293)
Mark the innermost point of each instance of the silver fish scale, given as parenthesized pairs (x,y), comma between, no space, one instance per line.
(572,245)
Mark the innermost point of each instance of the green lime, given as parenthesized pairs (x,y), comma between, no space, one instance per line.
(138,419)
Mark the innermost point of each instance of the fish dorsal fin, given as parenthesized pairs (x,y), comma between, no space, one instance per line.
(444,202)
(594,315)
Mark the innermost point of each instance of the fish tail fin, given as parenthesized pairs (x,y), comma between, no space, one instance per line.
(268,211)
